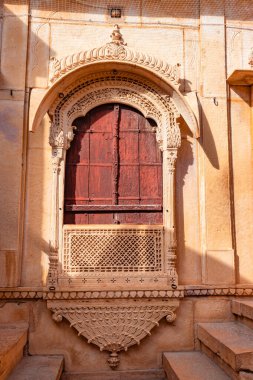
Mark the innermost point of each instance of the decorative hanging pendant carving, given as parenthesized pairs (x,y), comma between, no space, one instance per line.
(116,326)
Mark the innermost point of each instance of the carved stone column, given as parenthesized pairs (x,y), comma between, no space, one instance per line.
(173,142)
(54,226)
(59,143)
(170,156)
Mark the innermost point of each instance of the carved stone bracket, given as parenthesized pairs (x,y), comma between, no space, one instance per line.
(116,326)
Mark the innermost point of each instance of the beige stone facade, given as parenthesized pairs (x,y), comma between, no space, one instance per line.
(187,65)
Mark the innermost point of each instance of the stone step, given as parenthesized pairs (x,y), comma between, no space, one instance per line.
(243,308)
(39,368)
(152,374)
(191,366)
(12,341)
(231,341)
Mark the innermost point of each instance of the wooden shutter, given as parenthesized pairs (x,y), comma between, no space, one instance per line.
(113,169)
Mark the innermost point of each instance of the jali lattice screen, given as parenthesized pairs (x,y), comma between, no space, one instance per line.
(103,250)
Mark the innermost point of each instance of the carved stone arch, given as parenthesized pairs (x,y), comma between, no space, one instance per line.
(114,55)
(126,88)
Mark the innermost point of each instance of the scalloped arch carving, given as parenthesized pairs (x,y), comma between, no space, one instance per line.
(112,52)
(65,71)
(123,87)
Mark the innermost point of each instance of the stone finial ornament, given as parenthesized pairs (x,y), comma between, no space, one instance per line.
(116,36)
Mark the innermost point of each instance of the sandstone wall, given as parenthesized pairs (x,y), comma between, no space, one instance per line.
(214,189)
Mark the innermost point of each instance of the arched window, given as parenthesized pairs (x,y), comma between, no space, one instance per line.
(113,169)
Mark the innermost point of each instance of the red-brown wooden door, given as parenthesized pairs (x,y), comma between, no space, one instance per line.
(113,169)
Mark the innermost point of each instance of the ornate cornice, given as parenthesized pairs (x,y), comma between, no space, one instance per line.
(115,50)
(125,294)
(21,294)
(118,294)
(229,291)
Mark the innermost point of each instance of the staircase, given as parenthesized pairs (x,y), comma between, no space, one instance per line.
(15,366)
(226,350)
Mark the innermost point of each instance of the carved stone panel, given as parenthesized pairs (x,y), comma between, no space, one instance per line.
(114,326)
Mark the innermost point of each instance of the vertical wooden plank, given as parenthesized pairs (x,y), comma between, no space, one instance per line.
(115,163)
(128,154)
(129,165)
(101,140)
(150,172)
(76,172)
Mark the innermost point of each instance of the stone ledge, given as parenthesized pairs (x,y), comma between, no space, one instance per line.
(241,78)
(181,292)
(195,366)
(231,341)
(49,367)
(13,338)
(243,308)
(119,375)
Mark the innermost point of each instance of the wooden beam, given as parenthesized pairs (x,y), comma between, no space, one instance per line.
(112,208)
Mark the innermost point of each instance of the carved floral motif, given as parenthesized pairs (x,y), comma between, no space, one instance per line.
(171,160)
(113,327)
(122,87)
(112,51)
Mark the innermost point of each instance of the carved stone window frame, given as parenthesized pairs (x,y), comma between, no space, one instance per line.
(114,87)
(114,73)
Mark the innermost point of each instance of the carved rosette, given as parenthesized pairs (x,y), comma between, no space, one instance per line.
(115,326)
